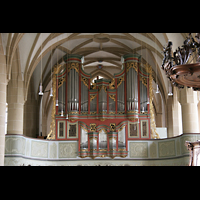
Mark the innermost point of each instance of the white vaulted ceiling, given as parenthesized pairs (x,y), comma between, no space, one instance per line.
(95,47)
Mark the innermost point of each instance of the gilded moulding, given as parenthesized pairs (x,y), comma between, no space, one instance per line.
(51,135)
(154,133)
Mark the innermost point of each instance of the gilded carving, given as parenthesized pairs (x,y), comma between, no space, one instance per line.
(73,113)
(121,112)
(93,86)
(144,80)
(85,81)
(112,96)
(93,128)
(119,81)
(133,65)
(154,133)
(112,127)
(102,112)
(102,87)
(51,135)
(73,66)
(61,81)
(132,111)
(57,69)
(92,97)
(112,84)
(102,119)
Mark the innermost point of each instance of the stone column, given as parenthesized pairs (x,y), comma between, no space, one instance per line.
(3,84)
(15,99)
(174,117)
(188,100)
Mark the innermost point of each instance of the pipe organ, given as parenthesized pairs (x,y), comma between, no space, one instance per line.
(102,116)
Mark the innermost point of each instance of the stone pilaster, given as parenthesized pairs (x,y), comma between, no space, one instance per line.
(15,99)
(174,117)
(190,120)
(3,84)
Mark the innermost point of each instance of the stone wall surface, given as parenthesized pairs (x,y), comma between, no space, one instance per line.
(21,150)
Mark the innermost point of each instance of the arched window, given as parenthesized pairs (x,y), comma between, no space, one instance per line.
(96,78)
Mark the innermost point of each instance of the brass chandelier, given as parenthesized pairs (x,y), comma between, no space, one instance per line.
(182,66)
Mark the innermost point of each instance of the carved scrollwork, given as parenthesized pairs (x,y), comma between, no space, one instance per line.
(112,84)
(92,97)
(119,81)
(144,80)
(85,81)
(61,81)
(73,66)
(133,65)
(93,128)
(102,87)
(112,96)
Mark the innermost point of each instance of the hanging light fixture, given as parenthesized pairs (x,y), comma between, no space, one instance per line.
(170,90)
(143,109)
(157,91)
(62,113)
(182,66)
(51,92)
(40,92)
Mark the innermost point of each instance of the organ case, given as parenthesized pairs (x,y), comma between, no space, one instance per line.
(108,113)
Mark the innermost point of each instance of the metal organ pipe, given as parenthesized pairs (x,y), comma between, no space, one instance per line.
(69,91)
(133,90)
(136,90)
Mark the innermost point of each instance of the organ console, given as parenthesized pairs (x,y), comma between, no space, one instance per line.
(102,116)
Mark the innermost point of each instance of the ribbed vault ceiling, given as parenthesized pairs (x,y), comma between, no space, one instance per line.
(44,50)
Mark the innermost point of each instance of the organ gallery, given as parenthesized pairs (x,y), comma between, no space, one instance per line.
(102,115)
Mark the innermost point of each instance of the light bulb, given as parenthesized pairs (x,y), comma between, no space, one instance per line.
(56,102)
(40,92)
(157,91)
(67,116)
(51,93)
(62,113)
(148,101)
(143,109)
(170,94)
